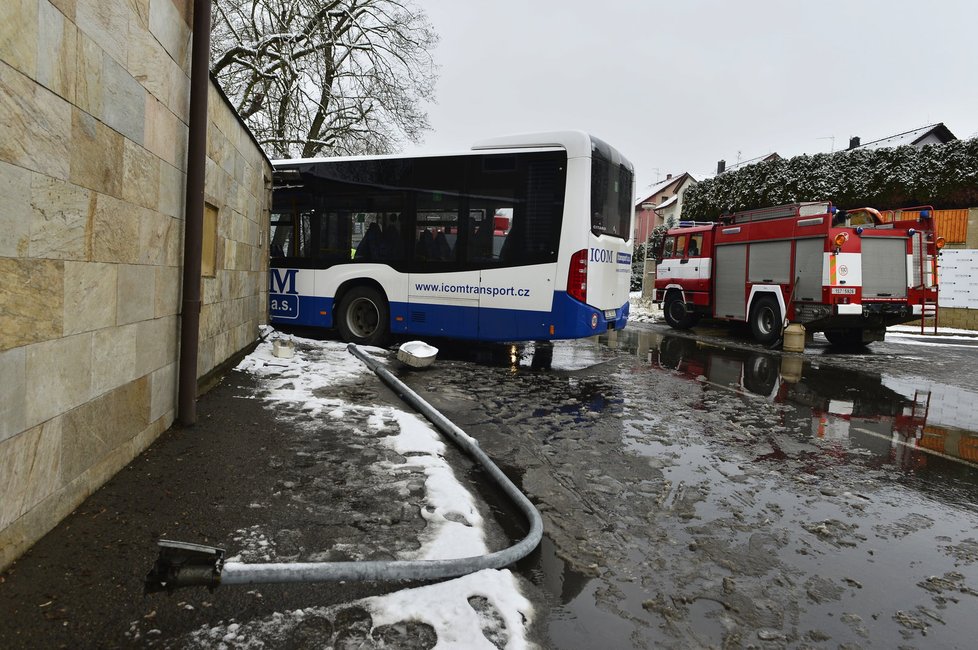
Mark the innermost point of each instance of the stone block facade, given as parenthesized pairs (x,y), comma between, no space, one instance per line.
(94,103)
(963,319)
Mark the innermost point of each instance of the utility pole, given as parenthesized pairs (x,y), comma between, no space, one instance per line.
(647,287)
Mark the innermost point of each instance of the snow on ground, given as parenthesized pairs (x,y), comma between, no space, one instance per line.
(480,611)
(455,527)
(911,334)
(483,610)
(642,311)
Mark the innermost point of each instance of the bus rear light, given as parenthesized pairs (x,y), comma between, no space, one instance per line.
(577,276)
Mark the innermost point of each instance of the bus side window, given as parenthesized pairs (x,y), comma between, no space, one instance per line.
(308,220)
(480,235)
(392,239)
(436,229)
(368,249)
(281,235)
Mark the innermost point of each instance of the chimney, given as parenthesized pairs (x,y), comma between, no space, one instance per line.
(668,176)
(721,166)
(854,142)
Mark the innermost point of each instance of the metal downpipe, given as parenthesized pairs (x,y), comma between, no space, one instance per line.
(181,564)
(194,213)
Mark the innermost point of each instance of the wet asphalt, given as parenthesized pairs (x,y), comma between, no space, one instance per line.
(658,532)
(242,467)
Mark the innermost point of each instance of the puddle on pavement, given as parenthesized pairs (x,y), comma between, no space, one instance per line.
(922,435)
(920,427)
(523,357)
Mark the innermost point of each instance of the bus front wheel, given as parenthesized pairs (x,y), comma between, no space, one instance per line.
(363,317)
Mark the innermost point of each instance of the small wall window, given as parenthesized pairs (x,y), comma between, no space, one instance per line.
(208,250)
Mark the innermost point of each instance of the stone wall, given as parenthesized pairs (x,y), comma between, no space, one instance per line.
(94,98)
(962,319)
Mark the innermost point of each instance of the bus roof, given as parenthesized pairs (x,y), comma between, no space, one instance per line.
(577,144)
(297,161)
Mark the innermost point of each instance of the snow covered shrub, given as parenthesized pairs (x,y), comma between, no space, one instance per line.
(943,175)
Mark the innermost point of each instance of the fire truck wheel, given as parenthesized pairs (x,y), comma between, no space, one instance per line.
(761,374)
(676,313)
(849,337)
(766,320)
(363,317)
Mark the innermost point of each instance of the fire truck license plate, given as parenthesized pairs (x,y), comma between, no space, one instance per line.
(843,290)
(610,314)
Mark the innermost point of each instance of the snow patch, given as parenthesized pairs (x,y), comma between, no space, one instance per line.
(482,610)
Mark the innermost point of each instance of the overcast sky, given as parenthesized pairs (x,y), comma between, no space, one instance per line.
(678,85)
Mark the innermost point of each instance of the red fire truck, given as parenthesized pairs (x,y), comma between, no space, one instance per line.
(847,273)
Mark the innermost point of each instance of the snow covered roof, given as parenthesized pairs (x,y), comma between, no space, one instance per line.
(662,186)
(940,132)
(665,204)
(766,157)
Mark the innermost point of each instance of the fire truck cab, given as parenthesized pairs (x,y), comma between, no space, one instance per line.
(847,273)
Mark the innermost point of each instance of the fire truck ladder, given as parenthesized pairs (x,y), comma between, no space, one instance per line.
(928,316)
(921,405)
(926,273)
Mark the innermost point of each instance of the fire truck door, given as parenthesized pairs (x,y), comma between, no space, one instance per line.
(884,267)
(809,258)
(731,282)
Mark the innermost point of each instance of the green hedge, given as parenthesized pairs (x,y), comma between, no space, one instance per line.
(945,176)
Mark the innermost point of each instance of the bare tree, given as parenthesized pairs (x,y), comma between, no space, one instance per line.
(325,77)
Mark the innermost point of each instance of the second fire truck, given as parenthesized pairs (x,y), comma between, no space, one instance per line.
(847,273)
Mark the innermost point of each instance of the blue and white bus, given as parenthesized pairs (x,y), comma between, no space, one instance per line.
(523,238)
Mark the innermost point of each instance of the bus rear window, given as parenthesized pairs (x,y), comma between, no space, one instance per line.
(611,201)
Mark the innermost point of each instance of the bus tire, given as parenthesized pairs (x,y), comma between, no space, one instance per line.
(363,317)
(676,313)
(766,320)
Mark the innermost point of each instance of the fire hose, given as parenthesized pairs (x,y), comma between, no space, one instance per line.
(182,564)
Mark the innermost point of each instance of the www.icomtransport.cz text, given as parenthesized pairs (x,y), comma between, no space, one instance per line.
(470,289)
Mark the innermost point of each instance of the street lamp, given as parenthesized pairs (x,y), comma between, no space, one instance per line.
(647,208)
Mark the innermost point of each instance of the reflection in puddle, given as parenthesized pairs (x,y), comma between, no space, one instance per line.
(556,577)
(582,616)
(911,426)
(541,355)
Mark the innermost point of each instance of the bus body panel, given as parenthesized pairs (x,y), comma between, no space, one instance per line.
(576,210)
(609,258)
(504,300)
